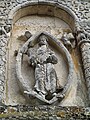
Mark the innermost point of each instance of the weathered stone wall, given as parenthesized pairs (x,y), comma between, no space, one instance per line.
(81,9)
(44,113)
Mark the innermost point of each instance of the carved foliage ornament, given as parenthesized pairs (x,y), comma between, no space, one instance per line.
(42,59)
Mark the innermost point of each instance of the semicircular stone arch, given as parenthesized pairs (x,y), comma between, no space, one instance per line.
(49,8)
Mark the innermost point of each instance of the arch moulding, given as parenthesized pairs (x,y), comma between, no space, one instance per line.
(49,8)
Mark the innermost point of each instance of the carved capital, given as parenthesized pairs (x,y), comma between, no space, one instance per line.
(82,38)
(81,35)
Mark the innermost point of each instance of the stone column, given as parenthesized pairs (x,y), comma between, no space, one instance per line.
(2,64)
(84,45)
(4,37)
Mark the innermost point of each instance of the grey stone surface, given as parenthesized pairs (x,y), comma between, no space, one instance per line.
(80,9)
(39,113)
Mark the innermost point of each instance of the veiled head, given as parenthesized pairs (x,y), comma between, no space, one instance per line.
(43,40)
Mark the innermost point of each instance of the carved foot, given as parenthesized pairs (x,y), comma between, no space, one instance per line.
(34,94)
(31,96)
(39,91)
(60,96)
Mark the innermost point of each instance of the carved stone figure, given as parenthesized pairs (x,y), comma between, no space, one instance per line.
(69,41)
(45,75)
(46,85)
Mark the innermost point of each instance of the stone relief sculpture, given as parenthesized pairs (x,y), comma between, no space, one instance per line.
(45,75)
(69,41)
(42,59)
